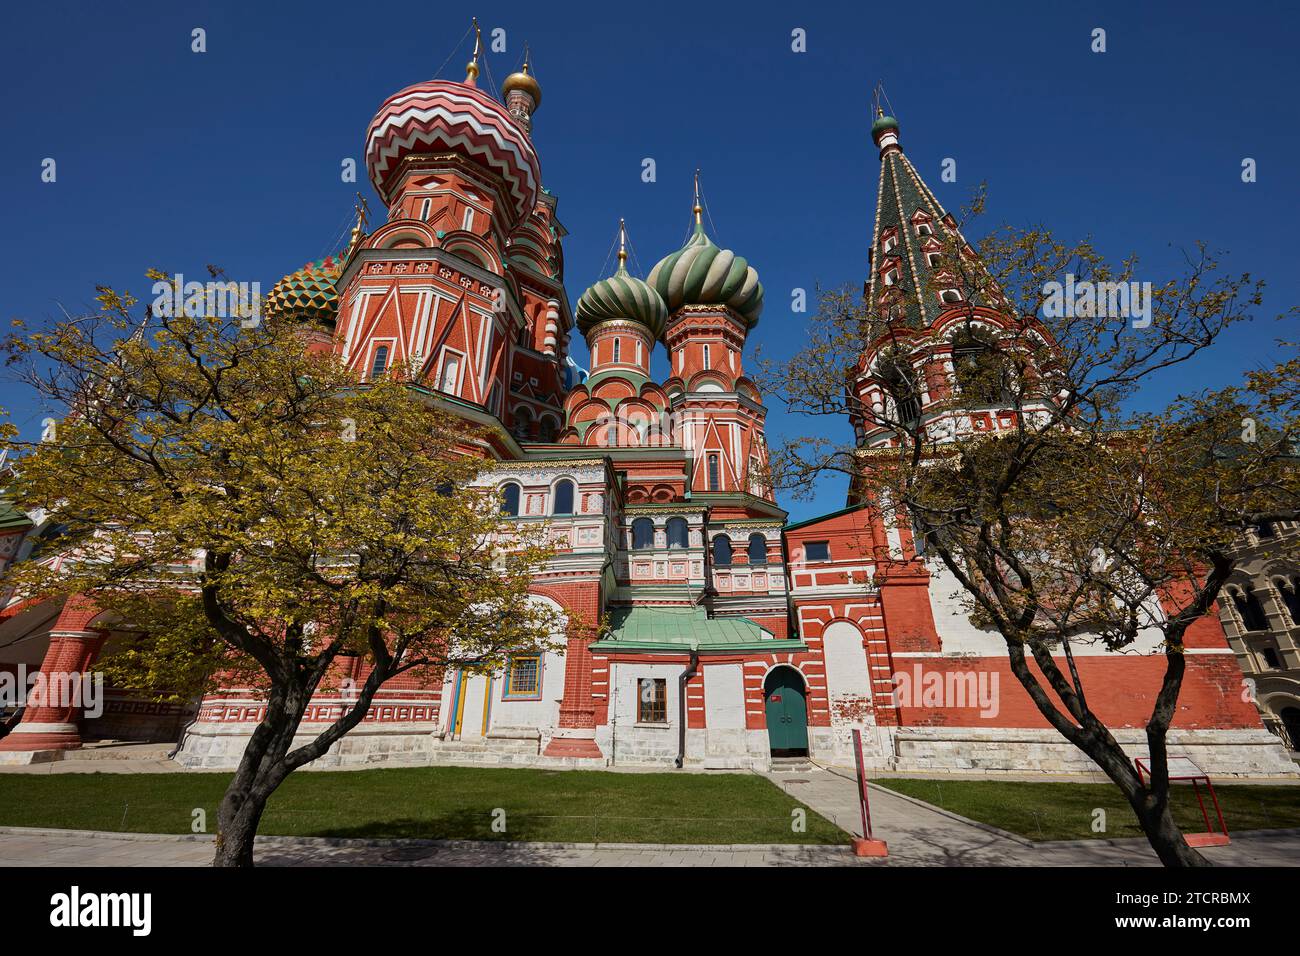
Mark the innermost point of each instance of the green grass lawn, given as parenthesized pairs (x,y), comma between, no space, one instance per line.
(1064,811)
(434,803)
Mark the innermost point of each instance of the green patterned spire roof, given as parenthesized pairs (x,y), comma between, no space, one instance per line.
(621,296)
(700,273)
(913,224)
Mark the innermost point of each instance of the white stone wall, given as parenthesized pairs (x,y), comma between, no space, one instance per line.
(624,739)
(958,636)
(724,696)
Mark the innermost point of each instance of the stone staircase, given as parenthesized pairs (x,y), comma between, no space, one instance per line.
(791,765)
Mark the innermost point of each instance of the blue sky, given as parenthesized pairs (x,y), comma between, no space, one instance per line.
(176,159)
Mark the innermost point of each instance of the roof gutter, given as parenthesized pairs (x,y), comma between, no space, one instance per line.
(682,681)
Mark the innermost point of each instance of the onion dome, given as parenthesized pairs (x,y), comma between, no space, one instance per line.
(621,296)
(308,294)
(882,123)
(525,83)
(702,274)
(441,116)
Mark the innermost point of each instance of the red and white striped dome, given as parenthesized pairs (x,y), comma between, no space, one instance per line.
(437,116)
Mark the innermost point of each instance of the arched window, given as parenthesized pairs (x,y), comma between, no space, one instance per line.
(643,533)
(715,478)
(678,533)
(982,370)
(722,551)
(1252,613)
(900,381)
(523,424)
(378,366)
(1290,592)
(563,498)
(618,350)
(757,549)
(547,429)
(510,500)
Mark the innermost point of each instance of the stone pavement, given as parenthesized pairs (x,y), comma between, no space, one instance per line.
(53,848)
(919,834)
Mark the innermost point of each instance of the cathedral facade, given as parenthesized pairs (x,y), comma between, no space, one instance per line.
(732,637)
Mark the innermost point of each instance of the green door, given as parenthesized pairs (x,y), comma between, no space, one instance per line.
(787,714)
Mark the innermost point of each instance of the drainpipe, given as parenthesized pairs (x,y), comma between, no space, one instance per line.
(791,622)
(682,681)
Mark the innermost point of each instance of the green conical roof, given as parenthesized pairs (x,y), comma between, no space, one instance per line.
(700,273)
(621,296)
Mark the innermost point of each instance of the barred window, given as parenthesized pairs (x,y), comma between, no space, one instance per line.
(652,700)
(524,676)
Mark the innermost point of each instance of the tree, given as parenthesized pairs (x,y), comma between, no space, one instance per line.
(1080,522)
(249,509)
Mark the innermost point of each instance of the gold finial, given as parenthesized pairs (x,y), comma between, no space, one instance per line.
(471,68)
(622,245)
(699,210)
(525,67)
(363,217)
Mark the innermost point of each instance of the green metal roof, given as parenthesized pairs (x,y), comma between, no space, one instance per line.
(11,517)
(682,629)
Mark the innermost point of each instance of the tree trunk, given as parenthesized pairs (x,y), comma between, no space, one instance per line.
(1164,835)
(1095,740)
(262,768)
(237,824)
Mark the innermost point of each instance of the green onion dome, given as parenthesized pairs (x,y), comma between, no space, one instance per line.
(702,274)
(883,123)
(308,294)
(622,296)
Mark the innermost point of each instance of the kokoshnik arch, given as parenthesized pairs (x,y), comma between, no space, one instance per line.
(721,651)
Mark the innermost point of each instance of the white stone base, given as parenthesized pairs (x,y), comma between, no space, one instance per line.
(1220,753)
(210,746)
(23,758)
(956,750)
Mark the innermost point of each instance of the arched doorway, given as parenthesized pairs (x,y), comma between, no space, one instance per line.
(1291,721)
(787,712)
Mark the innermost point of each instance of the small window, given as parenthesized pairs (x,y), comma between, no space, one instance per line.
(1265,530)
(891,277)
(1271,658)
(891,243)
(618,350)
(468,223)
(449,380)
(706,357)
(380,364)
(424,209)
(643,533)
(933,258)
(715,477)
(563,498)
(722,551)
(638,351)
(757,549)
(652,700)
(950,296)
(817,551)
(524,676)
(924,229)
(510,500)
(678,533)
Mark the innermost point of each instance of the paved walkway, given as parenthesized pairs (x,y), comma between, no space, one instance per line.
(47,848)
(921,835)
